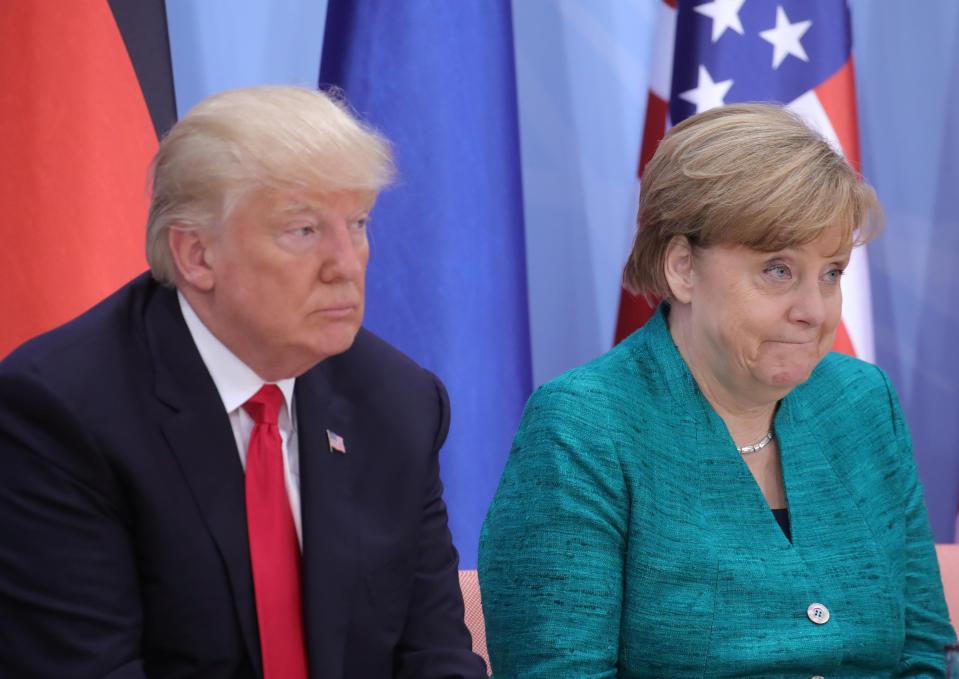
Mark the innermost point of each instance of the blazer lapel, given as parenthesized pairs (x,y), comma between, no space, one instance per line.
(199,433)
(330,545)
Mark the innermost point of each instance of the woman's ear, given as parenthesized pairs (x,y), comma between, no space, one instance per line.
(679,269)
(193,255)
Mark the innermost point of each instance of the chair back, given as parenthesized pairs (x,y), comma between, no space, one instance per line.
(469,583)
(949,569)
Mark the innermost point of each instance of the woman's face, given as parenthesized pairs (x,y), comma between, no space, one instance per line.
(759,322)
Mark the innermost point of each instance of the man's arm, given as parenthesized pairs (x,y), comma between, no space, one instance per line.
(435,642)
(69,597)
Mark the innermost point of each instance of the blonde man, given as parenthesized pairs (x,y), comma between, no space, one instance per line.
(217,472)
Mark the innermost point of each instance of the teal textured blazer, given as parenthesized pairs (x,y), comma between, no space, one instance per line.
(628,538)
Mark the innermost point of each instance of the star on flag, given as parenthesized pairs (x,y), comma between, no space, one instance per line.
(725,14)
(707,94)
(785,37)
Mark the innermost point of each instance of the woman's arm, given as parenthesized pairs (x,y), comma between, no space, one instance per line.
(926,616)
(552,548)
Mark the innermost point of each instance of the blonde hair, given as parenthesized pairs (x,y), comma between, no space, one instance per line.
(745,174)
(238,141)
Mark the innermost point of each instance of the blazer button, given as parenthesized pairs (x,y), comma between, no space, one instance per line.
(818,676)
(818,613)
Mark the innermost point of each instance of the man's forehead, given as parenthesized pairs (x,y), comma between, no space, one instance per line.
(319,202)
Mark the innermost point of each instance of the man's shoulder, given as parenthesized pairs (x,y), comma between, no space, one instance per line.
(370,345)
(384,380)
(373,359)
(96,336)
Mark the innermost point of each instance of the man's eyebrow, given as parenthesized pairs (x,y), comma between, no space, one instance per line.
(297,206)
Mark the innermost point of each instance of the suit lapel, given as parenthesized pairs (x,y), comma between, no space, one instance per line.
(199,434)
(330,544)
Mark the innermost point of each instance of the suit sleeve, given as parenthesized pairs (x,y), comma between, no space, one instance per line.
(927,624)
(553,544)
(435,642)
(68,590)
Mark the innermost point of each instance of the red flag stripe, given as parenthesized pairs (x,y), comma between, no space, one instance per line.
(838,98)
(72,178)
(657,112)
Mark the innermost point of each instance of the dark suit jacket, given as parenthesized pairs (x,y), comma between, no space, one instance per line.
(123,544)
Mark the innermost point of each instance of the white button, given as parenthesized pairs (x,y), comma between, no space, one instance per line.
(818,676)
(818,613)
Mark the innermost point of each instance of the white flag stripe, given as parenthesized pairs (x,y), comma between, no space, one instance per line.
(856,290)
(660,80)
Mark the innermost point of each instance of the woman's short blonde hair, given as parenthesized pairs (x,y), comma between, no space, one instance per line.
(745,174)
(241,140)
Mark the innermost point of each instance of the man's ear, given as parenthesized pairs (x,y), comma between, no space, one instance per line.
(193,255)
(679,268)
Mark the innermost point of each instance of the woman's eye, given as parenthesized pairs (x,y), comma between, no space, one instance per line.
(834,275)
(780,271)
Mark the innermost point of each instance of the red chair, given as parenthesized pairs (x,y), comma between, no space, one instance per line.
(949,568)
(469,583)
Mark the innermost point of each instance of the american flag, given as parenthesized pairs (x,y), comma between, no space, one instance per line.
(795,52)
(336,442)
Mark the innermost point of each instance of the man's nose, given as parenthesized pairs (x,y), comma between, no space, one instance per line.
(342,253)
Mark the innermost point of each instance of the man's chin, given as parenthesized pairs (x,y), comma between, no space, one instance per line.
(336,340)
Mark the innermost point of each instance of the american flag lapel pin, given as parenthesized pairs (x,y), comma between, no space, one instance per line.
(336,442)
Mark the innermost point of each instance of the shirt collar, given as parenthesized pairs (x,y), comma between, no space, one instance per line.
(235,381)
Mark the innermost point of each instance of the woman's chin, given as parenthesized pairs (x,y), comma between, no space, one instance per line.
(787,378)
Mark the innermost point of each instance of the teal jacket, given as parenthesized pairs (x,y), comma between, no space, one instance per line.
(628,538)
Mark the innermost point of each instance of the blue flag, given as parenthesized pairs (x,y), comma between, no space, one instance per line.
(447,275)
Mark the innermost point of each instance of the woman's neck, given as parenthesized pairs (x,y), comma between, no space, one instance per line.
(748,414)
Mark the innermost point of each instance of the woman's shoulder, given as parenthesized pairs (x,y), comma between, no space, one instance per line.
(848,379)
(638,363)
(609,366)
(614,383)
(589,393)
(836,363)
(850,398)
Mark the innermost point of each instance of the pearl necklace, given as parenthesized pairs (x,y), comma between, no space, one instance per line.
(756,447)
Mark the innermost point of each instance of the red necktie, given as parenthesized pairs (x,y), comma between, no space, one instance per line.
(274,548)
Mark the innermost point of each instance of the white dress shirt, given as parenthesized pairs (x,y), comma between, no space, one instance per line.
(236,383)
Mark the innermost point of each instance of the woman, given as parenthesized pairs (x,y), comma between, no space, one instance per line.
(720,496)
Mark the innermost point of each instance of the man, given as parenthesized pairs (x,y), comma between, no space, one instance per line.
(216,472)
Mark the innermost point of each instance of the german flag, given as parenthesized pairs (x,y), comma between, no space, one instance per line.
(87,91)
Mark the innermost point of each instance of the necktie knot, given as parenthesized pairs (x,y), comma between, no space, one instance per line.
(264,405)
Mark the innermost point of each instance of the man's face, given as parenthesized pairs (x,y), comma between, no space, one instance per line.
(288,270)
